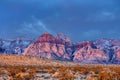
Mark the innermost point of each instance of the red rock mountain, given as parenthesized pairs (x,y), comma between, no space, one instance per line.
(49,47)
(46,37)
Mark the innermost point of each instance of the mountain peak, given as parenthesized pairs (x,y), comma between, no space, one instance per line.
(47,37)
(46,33)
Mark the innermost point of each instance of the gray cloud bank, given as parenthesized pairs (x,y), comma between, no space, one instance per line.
(79,19)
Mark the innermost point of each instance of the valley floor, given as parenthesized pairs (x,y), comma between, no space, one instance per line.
(18,67)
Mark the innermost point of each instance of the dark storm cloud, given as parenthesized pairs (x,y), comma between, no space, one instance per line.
(80,19)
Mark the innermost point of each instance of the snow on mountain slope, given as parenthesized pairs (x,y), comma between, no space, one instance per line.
(14,46)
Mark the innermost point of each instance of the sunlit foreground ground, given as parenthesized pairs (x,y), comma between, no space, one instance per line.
(17,67)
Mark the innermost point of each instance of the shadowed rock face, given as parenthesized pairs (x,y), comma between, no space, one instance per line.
(116,56)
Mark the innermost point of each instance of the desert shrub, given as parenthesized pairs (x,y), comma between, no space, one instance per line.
(52,70)
(108,75)
(15,70)
(3,71)
(64,75)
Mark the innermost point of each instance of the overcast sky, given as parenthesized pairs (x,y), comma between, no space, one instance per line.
(79,19)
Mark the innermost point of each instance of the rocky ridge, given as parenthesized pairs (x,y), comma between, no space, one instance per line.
(60,47)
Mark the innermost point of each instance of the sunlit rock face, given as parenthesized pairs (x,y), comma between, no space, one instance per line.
(86,52)
(14,46)
(48,46)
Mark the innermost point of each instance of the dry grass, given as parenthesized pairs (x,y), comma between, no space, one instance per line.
(25,67)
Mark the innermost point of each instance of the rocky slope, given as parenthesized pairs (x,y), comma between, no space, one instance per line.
(85,52)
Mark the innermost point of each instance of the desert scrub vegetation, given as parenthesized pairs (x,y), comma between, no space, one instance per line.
(18,72)
(18,67)
(61,72)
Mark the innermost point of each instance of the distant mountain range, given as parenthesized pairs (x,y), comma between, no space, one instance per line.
(14,46)
(60,47)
